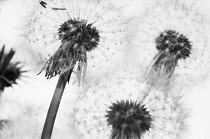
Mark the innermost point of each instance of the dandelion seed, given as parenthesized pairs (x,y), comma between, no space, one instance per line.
(10,72)
(69,33)
(111,110)
(174,39)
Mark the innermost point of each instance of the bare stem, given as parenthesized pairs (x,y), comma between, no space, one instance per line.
(54,105)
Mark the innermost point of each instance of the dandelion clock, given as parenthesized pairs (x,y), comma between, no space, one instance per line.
(117,108)
(72,36)
(175,41)
(10,72)
(63,34)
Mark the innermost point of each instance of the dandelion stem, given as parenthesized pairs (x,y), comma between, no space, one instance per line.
(54,105)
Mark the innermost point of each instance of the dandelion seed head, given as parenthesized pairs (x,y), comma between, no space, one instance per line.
(69,33)
(169,57)
(128,120)
(173,42)
(80,32)
(119,108)
(10,72)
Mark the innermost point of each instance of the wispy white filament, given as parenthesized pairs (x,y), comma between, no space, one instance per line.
(91,108)
(175,15)
(43,21)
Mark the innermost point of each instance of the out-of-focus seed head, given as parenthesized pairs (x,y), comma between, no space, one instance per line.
(10,72)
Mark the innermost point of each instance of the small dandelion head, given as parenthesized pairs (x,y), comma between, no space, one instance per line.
(122,108)
(175,43)
(174,38)
(128,120)
(9,72)
(67,33)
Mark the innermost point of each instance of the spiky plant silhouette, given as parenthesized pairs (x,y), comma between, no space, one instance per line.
(10,72)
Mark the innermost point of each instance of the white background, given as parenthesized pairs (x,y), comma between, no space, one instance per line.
(35,93)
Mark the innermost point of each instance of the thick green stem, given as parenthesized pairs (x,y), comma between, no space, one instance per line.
(54,105)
